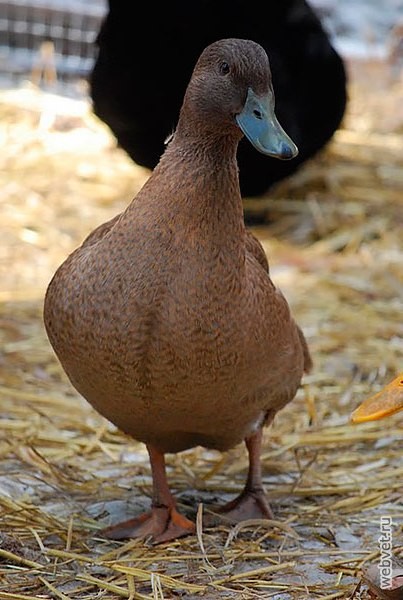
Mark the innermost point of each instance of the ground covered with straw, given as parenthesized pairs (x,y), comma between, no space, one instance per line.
(334,237)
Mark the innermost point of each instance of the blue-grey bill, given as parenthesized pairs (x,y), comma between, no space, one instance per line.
(260,125)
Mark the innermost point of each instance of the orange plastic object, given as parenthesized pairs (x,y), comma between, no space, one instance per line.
(386,402)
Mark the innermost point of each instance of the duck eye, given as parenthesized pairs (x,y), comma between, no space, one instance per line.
(224,68)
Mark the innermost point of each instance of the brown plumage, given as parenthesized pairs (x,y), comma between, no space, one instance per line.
(166,319)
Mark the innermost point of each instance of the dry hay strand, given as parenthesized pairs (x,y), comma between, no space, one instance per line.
(334,239)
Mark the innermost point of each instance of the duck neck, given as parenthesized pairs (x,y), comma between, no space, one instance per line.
(200,177)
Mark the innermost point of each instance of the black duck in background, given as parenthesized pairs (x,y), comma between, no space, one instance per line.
(146,58)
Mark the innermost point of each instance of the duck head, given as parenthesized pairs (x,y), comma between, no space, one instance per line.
(231,92)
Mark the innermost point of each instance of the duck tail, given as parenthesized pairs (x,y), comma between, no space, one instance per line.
(308,363)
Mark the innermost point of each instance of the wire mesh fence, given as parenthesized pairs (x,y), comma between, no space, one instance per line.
(48,38)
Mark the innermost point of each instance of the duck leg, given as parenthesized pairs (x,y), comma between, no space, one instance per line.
(252,502)
(163,522)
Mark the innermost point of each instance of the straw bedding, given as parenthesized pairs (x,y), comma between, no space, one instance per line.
(334,237)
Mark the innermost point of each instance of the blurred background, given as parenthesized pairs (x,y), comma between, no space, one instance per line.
(358,29)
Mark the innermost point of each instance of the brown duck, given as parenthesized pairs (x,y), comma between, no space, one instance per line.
(166,319)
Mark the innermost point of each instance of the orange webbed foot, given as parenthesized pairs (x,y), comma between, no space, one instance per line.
(250,504)
(161,524)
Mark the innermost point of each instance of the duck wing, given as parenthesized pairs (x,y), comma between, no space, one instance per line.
(254,247)
(100,232)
